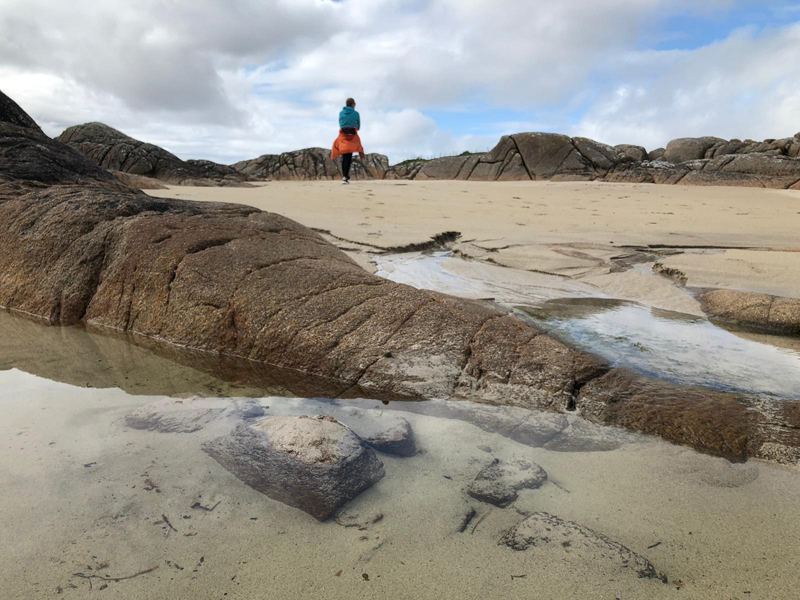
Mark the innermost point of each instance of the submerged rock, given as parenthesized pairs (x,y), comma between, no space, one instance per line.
(385,431)
(361,519)
(175,416)
(545,531)
(499,482)
(171,415)
(315,464)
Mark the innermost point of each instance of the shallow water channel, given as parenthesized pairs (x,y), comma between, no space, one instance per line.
(90,506)
(674,346)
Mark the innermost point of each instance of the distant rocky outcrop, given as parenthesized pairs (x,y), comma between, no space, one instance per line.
(79,246)
(550,156)
(744,170)
(28,155)
(311,164)
(535,156)
(111,149)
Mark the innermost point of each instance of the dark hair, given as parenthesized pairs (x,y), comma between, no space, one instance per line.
(350,102)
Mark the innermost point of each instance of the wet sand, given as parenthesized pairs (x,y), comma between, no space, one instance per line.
(583,231)
(716,529)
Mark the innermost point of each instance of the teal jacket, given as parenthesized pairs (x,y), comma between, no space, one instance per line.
(349,118)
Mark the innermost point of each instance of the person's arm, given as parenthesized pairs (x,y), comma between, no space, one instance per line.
(358,121)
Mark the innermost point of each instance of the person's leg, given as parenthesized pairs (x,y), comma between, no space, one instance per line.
(347,160)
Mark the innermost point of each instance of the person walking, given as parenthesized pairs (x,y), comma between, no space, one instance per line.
(348,141)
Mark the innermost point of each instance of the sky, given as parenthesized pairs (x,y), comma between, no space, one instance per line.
(231,80)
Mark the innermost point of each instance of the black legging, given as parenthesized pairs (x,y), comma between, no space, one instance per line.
(347,160)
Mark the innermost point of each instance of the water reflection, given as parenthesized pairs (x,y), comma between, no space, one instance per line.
(103,359)
(674,346)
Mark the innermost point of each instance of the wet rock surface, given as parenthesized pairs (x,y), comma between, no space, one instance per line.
(544,532)
(315,464)
(752,310)
(735,426)
(111,149)
(174,416)
(499,482)
(191,414)
(386,432)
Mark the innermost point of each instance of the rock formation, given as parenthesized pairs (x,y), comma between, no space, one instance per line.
(686,149)
(518,157)
(745,170)
(550,156)
(547,533)
(311,163)
(752,310)
(81,247)
(637,153)
(315,464)
(529,156)
(111,149)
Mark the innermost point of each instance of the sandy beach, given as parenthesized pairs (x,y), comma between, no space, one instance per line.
(738,238)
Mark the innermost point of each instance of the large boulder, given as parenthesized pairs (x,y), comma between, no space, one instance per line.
(684,149)
(657,154)
(28,155)
(636,153)
(315,464)
(501,163)
(544,532)
(753,310)
(311,164)
(111,149)
(554,156)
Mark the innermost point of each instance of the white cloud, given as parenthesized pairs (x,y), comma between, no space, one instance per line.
(232,80)
(741,87)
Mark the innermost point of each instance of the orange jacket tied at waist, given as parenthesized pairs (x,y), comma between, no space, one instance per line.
(346,143)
